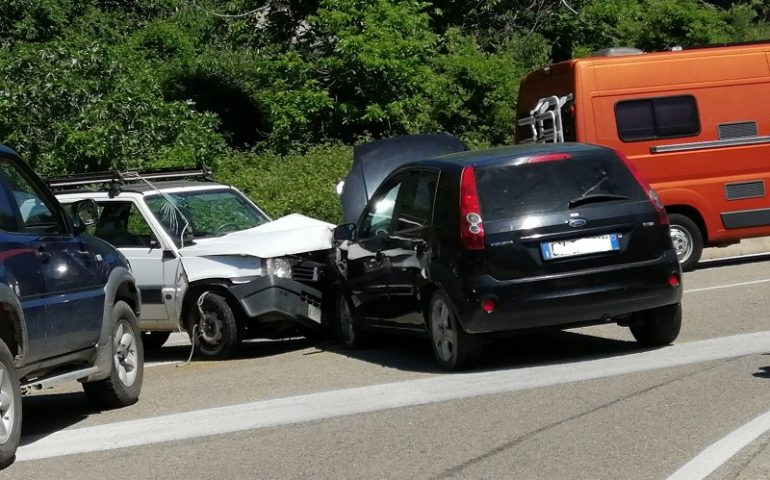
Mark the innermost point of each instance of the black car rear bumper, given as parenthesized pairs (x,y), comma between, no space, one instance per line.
(578,298)
(271,298)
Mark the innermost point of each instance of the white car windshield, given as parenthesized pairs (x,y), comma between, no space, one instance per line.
(210,213)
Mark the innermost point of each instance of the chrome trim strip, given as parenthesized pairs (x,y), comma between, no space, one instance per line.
(730,142)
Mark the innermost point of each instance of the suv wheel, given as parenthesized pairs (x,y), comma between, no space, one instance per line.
(454,348)
(658,326)
(121,388)
(349,331)
(216,331)
(154,340)
(687,240)
(10,408)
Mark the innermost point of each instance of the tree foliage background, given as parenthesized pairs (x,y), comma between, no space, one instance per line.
(272,93)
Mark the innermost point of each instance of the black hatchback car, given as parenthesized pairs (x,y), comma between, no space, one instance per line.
(462,246)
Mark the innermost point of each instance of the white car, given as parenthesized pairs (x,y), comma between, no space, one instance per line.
(207,259)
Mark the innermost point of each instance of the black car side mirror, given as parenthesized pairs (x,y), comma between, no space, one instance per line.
(85,212)
(345,232)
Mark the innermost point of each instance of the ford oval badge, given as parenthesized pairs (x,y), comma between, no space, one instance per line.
(577,222)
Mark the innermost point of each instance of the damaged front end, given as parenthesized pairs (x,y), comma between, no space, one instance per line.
(278,286)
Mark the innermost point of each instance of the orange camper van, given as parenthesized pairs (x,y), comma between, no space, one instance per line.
(694,121)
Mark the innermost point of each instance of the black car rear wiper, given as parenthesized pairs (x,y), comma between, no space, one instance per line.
(597,197)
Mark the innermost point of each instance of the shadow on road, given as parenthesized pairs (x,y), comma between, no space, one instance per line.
(764,372)
(46,414)
(521,351)
(249,349)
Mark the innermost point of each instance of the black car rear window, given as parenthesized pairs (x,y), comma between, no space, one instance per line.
(513,191)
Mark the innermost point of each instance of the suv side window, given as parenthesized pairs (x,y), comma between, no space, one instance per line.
(8,209)
(415,204)
(37,214)
(378,216)
(122,225)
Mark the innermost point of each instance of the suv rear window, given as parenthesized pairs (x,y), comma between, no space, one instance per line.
(512,191)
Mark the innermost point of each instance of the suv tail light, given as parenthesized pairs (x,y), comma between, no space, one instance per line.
(651,194)
(471,225)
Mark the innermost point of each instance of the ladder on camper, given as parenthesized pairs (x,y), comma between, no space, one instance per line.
(544,122)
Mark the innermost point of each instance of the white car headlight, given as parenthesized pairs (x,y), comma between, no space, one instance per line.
(280,267)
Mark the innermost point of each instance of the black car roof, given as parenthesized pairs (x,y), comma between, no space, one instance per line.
(496,155)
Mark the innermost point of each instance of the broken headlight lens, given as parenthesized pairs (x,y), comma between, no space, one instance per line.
(280,267)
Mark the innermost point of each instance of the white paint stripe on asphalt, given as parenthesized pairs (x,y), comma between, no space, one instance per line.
(160,364)
(729,285)
(336,403)
(720,452)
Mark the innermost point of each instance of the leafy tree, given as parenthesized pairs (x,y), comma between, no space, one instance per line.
(85,106)
(271,91)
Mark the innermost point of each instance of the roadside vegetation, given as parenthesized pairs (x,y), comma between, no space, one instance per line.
(273,93)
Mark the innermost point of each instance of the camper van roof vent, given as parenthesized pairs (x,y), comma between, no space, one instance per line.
(617,51)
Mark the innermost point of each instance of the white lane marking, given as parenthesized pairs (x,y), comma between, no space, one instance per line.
(336,403)
(720,452)
(729,285)
(160,364)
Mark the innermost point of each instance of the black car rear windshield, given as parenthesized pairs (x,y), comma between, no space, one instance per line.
(513,191)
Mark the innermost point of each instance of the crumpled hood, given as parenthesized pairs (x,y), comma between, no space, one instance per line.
(292,234)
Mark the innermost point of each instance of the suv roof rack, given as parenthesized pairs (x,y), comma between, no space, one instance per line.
(115,179)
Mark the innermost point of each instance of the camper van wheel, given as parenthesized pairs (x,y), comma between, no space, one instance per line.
(687,239)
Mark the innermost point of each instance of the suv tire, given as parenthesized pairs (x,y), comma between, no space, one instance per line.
(658,326)
(454,348)
(10,407)
(216,334)
(121,388)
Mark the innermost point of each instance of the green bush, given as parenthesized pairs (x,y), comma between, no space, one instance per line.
(266,91)
(293,183)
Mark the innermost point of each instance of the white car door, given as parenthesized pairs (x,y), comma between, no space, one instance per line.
(156,266)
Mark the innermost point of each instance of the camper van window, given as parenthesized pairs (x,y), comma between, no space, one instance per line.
(651,118)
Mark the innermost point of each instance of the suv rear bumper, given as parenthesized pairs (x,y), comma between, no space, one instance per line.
(579,298)
(272,298)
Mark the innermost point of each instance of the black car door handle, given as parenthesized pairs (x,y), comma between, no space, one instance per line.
(43,254)
(378,255)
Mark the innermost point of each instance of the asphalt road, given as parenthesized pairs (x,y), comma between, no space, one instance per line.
(584,404)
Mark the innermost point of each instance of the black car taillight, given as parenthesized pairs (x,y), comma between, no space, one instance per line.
(548,157)
(651,194)
(471,224)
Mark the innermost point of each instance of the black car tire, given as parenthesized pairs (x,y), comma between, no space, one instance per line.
(454,348)
(154,340)
(348,329)
(687,239)
(658,326)
(122,387)
(10,406)
(216,335)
